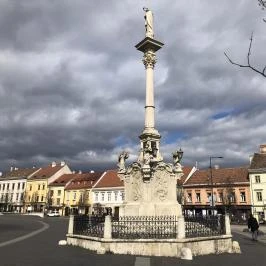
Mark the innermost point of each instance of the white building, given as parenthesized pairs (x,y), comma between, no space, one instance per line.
(257,179)
(108,193)
(12,188)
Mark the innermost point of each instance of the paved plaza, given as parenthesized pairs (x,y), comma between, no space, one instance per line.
(31,241)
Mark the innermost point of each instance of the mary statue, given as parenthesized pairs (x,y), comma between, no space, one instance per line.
(148,22)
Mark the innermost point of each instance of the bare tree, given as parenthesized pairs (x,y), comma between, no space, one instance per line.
(248,64)
(262,4)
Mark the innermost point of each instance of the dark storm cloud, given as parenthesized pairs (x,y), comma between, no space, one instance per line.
(72,85)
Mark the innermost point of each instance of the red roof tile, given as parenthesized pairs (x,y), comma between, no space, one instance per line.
(258,161)
(222,176)
(46,172)
(110,179)
(85,180)
(20,173)
(63,179)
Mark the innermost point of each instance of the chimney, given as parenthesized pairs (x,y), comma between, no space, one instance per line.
(80,172)
(16,168)
(263,148)
(11,168)
(1,174)
(73,172)
(216,166)
(62,163)
(53,164)
(91,171)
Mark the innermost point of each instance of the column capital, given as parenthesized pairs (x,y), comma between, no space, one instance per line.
(149,59)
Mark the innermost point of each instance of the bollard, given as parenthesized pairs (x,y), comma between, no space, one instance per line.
(227,224)
(181,227)
(70,225)
(107,227)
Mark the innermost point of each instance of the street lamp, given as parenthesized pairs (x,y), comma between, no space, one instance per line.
(212,200)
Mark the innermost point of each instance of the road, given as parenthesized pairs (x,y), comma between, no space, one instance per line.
(33,241)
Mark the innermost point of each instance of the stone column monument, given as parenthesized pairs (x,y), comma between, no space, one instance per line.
(150,183)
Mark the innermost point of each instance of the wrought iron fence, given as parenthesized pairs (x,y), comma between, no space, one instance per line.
(88,225)
(145,227)
(202,226)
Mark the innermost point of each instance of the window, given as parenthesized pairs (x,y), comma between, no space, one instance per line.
(257,178)
(220,196)
(37,198)
(189,197)
(259,196)
(198,197)
(21,196)
(7,186)
(96,196)
(23,185)
(102,196)
(18,186)
(30,187)
(4,185)
(43,187)
(39,187)
(13,186)
(116,194)
(209,196)
(58,201)
(109,196)
(232,197)
(0,186)
(122,195)
(17,196)
(59,193)
(42,198)
(67,195)
(242,196)
(75,195)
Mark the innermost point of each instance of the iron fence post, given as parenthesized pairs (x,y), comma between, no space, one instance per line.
(107,227)
(181,229)
(227,224)
(71,225)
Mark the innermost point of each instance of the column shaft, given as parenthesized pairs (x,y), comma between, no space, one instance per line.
(149,108)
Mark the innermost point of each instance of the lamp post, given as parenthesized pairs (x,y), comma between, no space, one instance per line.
(212,199)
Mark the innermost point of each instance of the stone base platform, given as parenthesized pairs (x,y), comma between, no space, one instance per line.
(155,247)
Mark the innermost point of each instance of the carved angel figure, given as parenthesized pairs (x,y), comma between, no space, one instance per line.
(122,161)
(148,22)
(177,156)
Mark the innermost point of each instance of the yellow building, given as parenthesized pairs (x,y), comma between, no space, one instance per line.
(36,194)
(77,193)
(56,194)
(257,179)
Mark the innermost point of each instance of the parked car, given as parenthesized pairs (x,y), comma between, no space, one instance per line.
(53,214)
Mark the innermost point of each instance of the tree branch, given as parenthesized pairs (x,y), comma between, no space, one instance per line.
(248,65)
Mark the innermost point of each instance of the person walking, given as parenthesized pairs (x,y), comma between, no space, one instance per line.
(253,226)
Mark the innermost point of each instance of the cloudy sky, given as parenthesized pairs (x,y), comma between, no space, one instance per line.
(72,84)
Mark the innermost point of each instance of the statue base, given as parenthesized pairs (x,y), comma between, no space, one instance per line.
(153,196)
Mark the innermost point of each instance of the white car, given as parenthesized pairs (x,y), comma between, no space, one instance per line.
(53,214)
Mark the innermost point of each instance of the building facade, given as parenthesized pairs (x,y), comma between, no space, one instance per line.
(108,194)
(229,187)
(36,194)
(77,198)
(257,179)
(12,188)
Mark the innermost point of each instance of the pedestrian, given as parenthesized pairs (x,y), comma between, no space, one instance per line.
(253,226)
